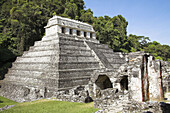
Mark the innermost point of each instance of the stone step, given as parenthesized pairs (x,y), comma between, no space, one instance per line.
(24,80)
(37,65)
(56,48)
(56,52)
(70,42)
(45,59)
(49,66)
(101,46)
(24,72)
(44,48)
(40,53)
(55,57)
(30,81)
(76,58)
(39,73)
(46,42)
(65,73)
(76,51)
(77,65)
(64,83)
(116,60)
(114,55)
(72,47)
(105,50)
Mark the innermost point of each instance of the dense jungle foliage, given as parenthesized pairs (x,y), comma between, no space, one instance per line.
(22,22)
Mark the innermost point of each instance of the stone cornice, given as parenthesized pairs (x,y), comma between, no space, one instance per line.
(66,22)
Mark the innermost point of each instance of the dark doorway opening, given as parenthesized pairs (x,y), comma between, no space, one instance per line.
(124,83)
(85,34)
(91,35)
(103,82)
(78,33)
(71,31)
(63,29)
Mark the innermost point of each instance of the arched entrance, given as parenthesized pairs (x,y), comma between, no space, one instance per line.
(103,82)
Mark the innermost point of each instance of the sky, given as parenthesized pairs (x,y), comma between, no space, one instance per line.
(149,18)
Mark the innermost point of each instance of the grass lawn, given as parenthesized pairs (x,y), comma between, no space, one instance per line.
(5,101)
(51,106)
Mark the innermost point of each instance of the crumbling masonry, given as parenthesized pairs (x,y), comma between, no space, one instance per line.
(69,56)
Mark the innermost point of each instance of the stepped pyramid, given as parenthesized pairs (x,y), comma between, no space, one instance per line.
(66,56)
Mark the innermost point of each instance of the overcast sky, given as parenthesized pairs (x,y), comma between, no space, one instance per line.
(150,18)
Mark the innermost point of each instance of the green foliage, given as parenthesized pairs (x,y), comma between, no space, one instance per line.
(87,16)
(159,51)
(6,59)
(71,10)
(136,43)
(112,31)
(51,106)
(5,101)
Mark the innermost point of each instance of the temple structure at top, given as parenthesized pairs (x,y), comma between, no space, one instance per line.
(70,27)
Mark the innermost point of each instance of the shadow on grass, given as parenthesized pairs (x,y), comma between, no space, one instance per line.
(1,101)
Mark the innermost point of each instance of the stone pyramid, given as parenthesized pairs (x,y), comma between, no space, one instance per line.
(66,56)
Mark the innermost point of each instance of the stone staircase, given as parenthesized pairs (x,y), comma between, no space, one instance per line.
(111,60)
(76,62)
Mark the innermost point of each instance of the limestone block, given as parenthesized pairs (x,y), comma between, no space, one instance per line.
(27,72)
(82,33)
(67,31)
(74,32)
(44,43)
(78,65)
(40,53)
(34,59)
(77,52)
(88,34)
(94,35)
(75,73)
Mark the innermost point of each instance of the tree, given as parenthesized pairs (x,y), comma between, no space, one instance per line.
(159,51)
(136,43)
(87,16)
(112,31)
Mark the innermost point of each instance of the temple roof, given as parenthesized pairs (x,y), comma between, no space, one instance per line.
(66,22)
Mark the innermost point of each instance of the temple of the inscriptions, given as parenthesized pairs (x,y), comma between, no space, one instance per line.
(69,56)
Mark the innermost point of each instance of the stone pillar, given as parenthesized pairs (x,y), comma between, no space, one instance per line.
(82,33)
(94,35)
(67,31)
(88,35)
(74,32)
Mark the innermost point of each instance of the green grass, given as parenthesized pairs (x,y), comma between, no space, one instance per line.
(51,106)
(5,101)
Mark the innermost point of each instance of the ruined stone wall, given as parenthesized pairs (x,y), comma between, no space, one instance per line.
(166,75)
(155,79)
(135,78)
(145,77)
